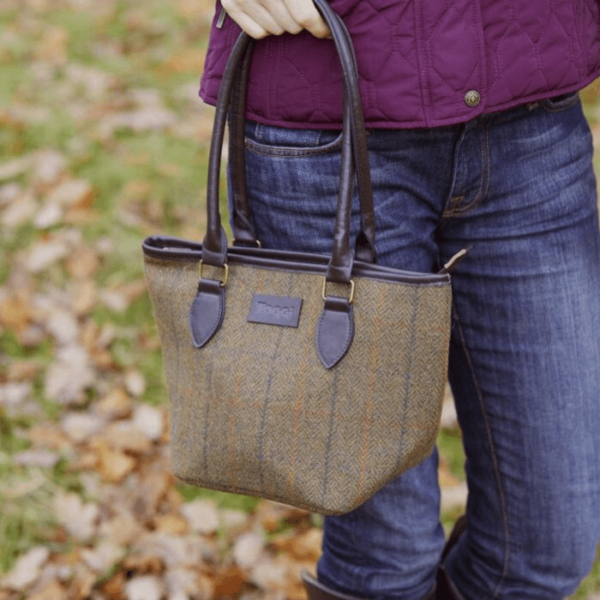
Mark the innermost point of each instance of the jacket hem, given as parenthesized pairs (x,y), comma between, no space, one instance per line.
(420,124)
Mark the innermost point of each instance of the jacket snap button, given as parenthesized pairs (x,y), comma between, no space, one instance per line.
(472,98)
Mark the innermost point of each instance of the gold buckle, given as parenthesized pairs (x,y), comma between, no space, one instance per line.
(225,278)
(324,291)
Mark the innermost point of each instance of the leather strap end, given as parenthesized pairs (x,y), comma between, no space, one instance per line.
(335,331)
(207,311)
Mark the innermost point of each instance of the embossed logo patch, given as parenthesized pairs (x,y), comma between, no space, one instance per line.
(275,310)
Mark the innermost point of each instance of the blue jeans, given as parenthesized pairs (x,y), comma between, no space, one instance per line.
(518,187)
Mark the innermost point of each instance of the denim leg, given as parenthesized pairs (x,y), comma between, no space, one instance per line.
(390,546)
(525,357)
(518,186)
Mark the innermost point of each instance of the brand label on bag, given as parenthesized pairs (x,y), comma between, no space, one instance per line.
(275,310)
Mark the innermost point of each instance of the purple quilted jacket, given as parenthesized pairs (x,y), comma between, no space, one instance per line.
(422,63)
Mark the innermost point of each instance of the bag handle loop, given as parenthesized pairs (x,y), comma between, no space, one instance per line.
(354,155)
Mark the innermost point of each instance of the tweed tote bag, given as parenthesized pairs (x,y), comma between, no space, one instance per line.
(307,379)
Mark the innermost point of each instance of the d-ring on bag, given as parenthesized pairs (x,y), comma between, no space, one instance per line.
(302,378)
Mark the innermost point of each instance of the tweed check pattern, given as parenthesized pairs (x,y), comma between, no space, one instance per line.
(255,411)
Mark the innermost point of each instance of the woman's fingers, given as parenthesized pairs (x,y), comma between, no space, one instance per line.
(307,17)
(259,18)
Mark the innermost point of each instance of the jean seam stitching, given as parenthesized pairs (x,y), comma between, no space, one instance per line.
(265,150)
(484,185)
(492,452)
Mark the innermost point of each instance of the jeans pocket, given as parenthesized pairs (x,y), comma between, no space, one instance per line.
(560,103)
(269,140)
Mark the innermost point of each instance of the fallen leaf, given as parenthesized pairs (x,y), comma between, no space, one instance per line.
(146,587)
(72,193)
(454,497)
(53,45)
(177,551)
(12,394)
(49,164)
(202,516)
(114,300)
(9,192)
(185,61)
(232,520)
(126,437)
(63,325)
(229,582)
(449,419)
(14,168)
(272,514)
(136,190)
(103,557)
(16,311)
(69,376)
(115,404)
(182,583)
(149,421)
(122,529)
(19,211)
(27,568)
(83,262)
(80,426)
(82,583)
(113,465)
(77,518)
(170,523)
(114,587)
(23,370)
(44,254)
(49,215)
(270,574)
(50,591)
(144,563)
(305,546)
(135,383)
(84,297)
(36,458)
(134,289)
(248,549)
(48,436)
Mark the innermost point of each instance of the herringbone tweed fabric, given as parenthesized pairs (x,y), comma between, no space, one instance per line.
(255,411)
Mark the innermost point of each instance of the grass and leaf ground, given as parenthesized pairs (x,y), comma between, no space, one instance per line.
(104,141)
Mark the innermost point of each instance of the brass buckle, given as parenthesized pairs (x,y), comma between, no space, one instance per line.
(225,278)
(324,290)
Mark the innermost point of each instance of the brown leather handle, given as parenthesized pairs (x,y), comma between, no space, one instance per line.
(354,155)
(241,217)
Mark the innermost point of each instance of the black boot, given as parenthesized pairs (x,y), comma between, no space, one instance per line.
(445,587)
(317,591)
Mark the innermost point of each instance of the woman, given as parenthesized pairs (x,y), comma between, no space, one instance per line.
(476,138)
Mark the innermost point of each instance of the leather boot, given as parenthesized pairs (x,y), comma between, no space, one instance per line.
(317,591)
(445,587)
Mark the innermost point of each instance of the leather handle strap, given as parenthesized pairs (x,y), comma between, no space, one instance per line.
(354,153)
(242,224)
(214,246)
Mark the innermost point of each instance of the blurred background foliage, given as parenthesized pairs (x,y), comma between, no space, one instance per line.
(103,141)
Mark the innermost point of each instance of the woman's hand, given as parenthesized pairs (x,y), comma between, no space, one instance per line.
(259,18)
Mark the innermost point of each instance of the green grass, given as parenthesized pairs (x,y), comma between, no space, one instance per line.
(223,499)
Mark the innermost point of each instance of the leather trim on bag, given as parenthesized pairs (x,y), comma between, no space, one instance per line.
(166,248)
(207,311)
(335,332)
